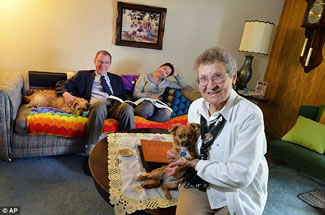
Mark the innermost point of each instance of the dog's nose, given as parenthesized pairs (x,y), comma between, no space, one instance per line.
(185,144)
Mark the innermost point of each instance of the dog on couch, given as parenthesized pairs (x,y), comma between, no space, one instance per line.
(184,141)
(49,99)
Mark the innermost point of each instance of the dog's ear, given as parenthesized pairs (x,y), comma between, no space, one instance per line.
(196,127)
(75,104)
(172,129)
(26,99)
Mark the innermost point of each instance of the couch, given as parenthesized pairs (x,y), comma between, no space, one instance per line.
(23,133)
(297,152)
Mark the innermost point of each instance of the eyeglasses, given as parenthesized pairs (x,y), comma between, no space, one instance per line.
(102,62)
(215,79)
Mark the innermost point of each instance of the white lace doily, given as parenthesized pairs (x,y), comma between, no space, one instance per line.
(125,193)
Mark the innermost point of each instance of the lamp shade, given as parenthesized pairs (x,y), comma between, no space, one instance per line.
(256,37)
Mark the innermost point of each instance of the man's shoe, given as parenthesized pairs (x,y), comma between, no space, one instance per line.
(85,166)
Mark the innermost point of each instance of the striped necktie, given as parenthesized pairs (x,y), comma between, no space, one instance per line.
(105,85)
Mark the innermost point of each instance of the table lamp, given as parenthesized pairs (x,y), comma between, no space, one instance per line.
(255,41)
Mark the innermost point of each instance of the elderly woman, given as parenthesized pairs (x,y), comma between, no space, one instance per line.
(153,86)
(231,173)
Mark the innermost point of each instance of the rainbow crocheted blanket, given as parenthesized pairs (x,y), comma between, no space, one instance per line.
(52,121)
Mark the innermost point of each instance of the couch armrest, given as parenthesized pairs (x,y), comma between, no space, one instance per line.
(11,85)
(308,111)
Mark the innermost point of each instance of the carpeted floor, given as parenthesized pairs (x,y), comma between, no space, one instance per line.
(50,185)
(57,185)
(284,186)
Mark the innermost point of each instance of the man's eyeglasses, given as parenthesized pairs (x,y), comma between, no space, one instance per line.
(215,79)
(102,62)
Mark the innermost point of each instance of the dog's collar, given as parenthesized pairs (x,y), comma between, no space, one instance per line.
(184,153)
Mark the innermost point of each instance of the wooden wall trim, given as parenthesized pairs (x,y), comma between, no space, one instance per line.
(288,85)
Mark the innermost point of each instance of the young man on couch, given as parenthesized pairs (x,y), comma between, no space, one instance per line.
(95,86)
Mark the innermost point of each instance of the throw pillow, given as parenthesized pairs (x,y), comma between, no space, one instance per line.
(307,133)
(322,118)
(129,82)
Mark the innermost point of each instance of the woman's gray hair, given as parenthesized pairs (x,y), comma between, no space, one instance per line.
(214,55)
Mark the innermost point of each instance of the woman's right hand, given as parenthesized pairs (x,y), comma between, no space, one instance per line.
(175,167)
(171,156)
(68,98)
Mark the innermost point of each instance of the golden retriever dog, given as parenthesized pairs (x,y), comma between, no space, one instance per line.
(49,99)
(184,141)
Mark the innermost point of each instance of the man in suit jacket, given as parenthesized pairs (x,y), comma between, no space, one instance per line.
(95,86)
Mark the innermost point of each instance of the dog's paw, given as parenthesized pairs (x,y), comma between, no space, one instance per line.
(138,187)
(141,178)
(168,196)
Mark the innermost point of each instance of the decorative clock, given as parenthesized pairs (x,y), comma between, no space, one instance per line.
(314,24)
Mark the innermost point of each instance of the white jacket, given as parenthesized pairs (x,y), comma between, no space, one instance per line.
(236,168)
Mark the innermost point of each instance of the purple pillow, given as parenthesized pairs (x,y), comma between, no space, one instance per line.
(129,82)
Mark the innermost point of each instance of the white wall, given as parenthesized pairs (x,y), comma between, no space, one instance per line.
(64,35)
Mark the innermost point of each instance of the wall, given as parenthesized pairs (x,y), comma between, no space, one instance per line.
(64,35)
(288,85)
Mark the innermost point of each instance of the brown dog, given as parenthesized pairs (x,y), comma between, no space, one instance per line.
(49,99)
(184,141)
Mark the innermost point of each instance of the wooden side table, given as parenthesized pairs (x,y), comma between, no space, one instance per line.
(98,167)
(253,98)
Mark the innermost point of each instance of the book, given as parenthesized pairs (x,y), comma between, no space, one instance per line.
(117,99)
(157,103)
(155,151)
(149,166)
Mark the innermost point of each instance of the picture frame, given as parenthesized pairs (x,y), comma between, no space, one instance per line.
(140,26)
(260,88)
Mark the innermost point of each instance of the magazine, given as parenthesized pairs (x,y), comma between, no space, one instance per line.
(157,103)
